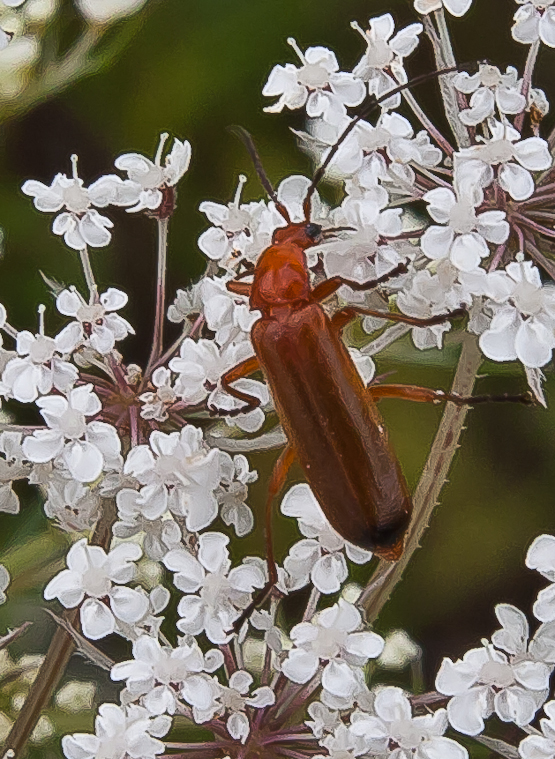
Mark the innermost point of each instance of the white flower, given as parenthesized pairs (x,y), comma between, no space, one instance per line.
(490,88)
(120,731)
(455,7)
(80,224)
(4,582)
(158,672)
(513,157)
(74,506)
(394,732)
(318,84)
(332,635)
(466,234)
(513,684)
(430,294)
(523,324)
(95,324)
(38,368)
(535,20)
(108,11)
(541,746)
(65,417)
(155,404)
(97,577)
(226,314)
(319,558)
(362,255)
(186,303)
(541,556)
(382,64)
(235,700)
(176,474)
(152,180)
(232,493)
(222,592)
(241,231)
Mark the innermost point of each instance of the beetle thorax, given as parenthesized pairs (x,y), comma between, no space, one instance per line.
(281,278)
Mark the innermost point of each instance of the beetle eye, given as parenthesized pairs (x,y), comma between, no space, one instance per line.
(313,231)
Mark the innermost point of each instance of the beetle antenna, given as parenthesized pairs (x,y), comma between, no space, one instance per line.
(248,142)
(371,106)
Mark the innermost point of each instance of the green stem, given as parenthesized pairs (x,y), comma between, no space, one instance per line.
(387,576)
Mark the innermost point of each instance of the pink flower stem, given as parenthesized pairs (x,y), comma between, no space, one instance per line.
(192,333)
(297,699)
(295,754)
(267,666)
(547,215)
(281,736)
(520,236)
(134,425)
(430,175)
(200,746)
(432,130)
(158,337)
(533,225)
(311,605)
(498,256)
(540,191)
(98,382)
(527,79)
(229,659)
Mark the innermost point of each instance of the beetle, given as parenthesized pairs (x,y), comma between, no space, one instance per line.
(330,418)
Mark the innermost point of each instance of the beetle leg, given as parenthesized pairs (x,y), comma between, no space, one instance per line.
(427,395)
(331,285)
(246,367)
(345,315)
(277,480)
(240,288)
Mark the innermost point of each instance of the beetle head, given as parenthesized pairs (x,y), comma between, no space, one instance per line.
(302,234)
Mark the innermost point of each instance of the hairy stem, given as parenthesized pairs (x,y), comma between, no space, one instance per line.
(59,652)
(388,575)
(443,53)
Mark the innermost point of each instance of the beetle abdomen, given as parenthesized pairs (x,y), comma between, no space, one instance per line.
(335,429)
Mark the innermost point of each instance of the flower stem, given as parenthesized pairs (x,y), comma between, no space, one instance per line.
(59,652)
(432,130)
(158,336)
(387,576)
(443,53)
(527,79)
(88,272)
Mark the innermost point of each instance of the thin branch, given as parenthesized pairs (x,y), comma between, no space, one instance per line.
(84,646)
(5,640)
(387,576)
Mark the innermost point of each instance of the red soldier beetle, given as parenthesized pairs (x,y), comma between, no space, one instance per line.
(330,417)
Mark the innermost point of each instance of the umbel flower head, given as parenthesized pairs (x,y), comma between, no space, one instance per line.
(80,224)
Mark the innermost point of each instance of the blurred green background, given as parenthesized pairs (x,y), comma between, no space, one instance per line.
(193,68)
